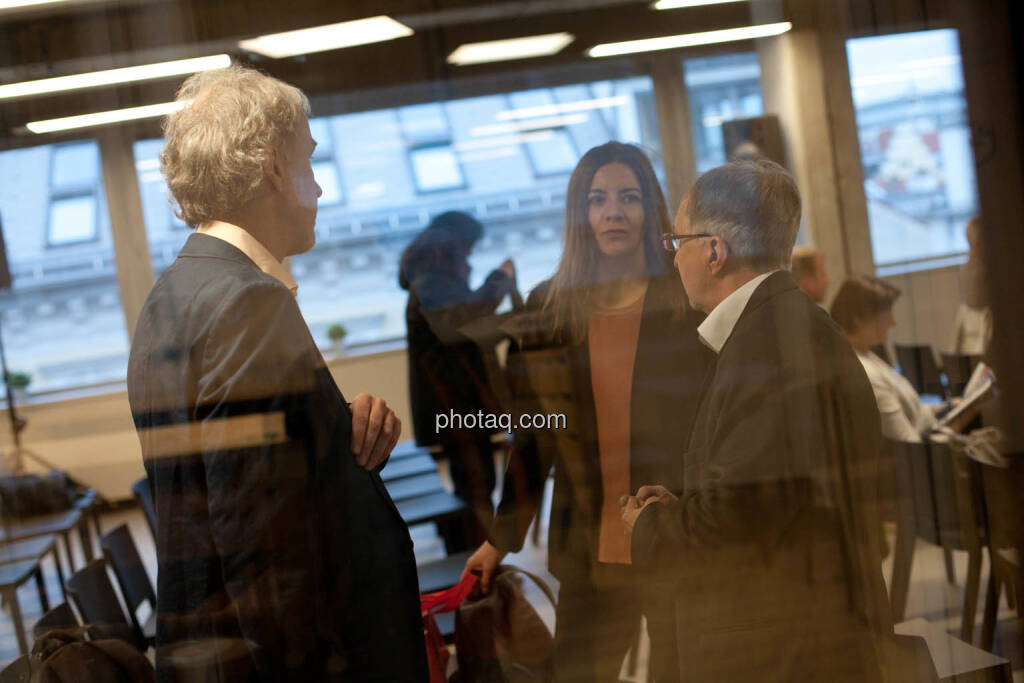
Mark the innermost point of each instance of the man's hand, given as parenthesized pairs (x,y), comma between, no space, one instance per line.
(631,509)
(644,493)
(484,562)
(375,430)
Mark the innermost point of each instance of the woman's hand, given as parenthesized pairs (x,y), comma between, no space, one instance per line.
(484,562)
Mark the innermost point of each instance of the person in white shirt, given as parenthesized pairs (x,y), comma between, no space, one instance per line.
(863,308)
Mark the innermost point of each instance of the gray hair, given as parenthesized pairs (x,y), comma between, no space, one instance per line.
(754,206)
(218,143)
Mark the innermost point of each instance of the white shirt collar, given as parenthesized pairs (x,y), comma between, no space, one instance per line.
(717,327)
(251,247)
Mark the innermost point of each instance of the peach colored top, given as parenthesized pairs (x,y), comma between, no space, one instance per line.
(613,335)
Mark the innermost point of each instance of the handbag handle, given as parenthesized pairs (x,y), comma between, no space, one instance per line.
(536,579)
(450,599)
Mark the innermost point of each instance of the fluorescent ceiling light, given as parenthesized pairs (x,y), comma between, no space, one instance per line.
(12,4)
(105,117)
(678,4)
(535,124)
(330,37)
(512,48)
(688,40)
(129,74)
(568,107)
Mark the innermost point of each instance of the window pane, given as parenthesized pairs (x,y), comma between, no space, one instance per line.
(72,220)
(435,168)
(424,123)
(908,93)
(484,168)
(75,166)
(552,152)
(720,89)
(165,232)
(62,319)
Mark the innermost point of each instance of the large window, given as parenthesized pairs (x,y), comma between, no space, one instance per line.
(915,144)
(504,158)
(720,89)
(62,319)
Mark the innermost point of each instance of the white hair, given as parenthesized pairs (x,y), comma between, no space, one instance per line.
(218,143)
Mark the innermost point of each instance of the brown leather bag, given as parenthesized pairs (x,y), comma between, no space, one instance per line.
(499,637)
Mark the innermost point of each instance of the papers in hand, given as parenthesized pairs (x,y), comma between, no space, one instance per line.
(979,388)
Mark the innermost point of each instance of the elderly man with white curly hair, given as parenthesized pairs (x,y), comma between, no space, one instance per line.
(281,556)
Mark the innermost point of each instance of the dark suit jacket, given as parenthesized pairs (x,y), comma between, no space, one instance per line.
(267,529)
(670,364)
(774,536)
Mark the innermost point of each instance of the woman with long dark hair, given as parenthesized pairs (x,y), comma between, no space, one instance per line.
(616,313)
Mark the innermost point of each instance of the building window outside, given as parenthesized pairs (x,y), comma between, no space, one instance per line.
(915,143)
(74,182)
(720,89)
(62,319)
(436,168)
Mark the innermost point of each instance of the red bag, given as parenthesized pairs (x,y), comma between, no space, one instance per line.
(437,603)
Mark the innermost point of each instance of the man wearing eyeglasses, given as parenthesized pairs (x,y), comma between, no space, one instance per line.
(773,537)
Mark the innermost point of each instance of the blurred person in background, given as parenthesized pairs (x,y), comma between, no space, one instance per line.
(863,309)
(973,327)
(618,345)
(808,268)
(447,371)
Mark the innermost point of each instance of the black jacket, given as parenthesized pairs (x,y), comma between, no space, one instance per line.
(266,527)
(669,367)
(773,540)
(446,369)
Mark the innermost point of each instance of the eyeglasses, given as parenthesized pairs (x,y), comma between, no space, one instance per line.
(671,241)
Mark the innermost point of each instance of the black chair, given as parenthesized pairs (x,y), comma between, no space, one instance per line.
(917,364)
(1003,520)
(937,499)
(958,368)
(94,597)
(18,671)
(144,496)
(136,588)
(59,617)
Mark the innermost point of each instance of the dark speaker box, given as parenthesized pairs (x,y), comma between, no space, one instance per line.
(762,132)
(5,272)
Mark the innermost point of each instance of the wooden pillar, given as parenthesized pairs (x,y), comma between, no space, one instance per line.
(673,109)
(805,82)
(131,248)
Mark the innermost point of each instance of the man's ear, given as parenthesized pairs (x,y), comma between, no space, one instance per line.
(717,255)
(273,169)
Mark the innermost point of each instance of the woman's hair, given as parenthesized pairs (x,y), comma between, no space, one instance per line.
(567,298)
(218,142)
(443,245)
(861,298)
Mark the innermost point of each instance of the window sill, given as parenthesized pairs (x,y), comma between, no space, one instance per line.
(358,353)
